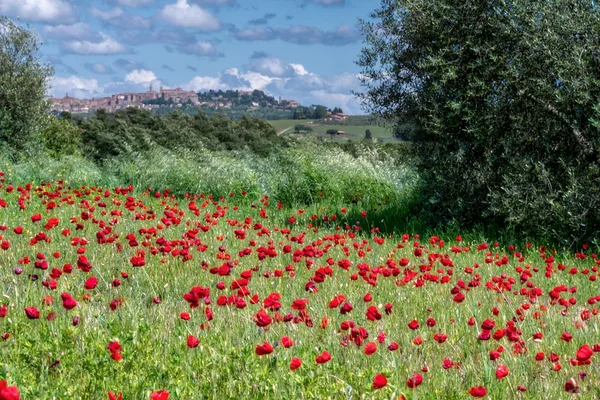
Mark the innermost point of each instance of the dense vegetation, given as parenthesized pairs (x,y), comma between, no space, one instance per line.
(502,100)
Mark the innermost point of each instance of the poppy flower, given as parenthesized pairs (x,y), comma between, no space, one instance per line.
(478,391)
(263,349)
(32,312)
(323,357)
(566,336)
(414,381)
(112,396)
(160,395)
(9,392)
(370,348)
(91,283)
(192,341)
(584,353)
(287,342)
(295,363)
(414,324)
(571,386)
(501,371)
(380,381)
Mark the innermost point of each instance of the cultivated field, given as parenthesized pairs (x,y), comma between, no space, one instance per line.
(355,133)
(106,289)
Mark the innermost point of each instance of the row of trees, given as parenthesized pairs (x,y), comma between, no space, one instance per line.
(502,99)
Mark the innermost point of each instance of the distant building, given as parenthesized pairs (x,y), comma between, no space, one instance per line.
(120,101)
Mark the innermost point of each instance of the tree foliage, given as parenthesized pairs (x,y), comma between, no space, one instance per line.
(133,131)
(23,85)
(503,98)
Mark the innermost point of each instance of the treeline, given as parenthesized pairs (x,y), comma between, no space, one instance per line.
(237,99)
(132,130)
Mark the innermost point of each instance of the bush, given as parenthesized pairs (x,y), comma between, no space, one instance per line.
(61,138)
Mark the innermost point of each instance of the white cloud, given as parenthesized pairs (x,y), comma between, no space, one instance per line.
(205,83)
(299,69)
(119,18)
(108,45)
(141,76)
(44,11)
(75,86)
(187,15)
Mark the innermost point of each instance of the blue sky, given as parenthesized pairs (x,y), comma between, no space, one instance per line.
(298,49)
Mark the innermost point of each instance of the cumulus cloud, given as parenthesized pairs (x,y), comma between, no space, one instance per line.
(74,31)
(141,76)
(205,83)
(44,11)
(75,86)
(270,66)
(107,45)
(301,34)
(98,68)
(187,15)
(119,18)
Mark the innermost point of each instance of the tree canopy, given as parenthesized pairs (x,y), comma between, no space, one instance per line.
(23,85)
(503,100)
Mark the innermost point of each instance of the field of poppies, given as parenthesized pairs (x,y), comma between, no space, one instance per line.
(134,293)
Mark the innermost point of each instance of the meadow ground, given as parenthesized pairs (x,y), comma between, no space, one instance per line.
(106,289)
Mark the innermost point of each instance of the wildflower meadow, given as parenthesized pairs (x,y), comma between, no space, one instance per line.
(126,291)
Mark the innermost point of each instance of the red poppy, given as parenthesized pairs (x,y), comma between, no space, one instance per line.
(91,283)
(295,363)
(370,348)
(584,353)
(9,392)
(571,386)
(287,342)
(160,395)
(478,391)
(323,357)
(32,312)
(192,341)
(501,371)
(263,349)
(112,396)
(379,381)
(414,381)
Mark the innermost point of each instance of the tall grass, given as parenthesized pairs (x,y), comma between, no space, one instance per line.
(298,175)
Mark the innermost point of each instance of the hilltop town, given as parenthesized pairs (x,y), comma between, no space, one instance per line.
(172,98)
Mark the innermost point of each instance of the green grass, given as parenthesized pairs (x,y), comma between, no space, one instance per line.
(224,365)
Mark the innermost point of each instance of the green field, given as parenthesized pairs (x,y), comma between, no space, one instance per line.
(352,132)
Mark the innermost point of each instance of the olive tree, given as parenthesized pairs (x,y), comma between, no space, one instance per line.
(23,86)
(503,101)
